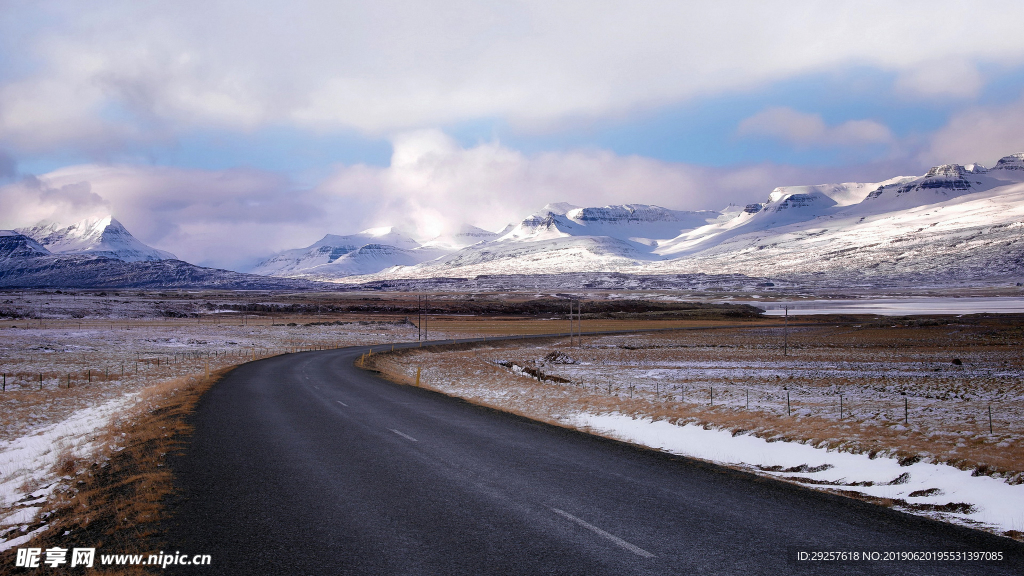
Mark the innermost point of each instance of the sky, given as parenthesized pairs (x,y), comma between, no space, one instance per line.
(226,131)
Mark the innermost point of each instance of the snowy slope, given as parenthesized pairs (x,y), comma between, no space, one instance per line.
(970,237)
(953,224)
(98,237)
(785,206)
(551,256)
(367,252)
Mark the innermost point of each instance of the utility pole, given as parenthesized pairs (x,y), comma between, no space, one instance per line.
(785,333)
(570,322)
(579,323)
(419,318)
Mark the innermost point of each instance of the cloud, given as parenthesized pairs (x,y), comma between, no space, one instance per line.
(955,78)
(8,165)
(124,71)
(806,129)
(980,134)
(32,200)
(433,184)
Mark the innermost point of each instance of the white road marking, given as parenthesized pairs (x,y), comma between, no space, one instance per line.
(406,436)
(342,403)
(631,547)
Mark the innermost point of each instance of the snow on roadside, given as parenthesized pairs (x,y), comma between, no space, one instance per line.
(27,464)
(934,490)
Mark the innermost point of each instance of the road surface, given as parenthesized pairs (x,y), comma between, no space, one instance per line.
(304,464)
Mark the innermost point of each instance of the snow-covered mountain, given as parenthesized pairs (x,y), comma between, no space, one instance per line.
(560,232)
(336,256)
(98,237)
(955,222)
(24,263)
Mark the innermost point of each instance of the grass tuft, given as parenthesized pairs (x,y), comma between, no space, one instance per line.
(114,504)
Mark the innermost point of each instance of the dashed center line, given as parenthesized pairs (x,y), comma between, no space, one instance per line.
(406,436)
(342,403)
(631,547)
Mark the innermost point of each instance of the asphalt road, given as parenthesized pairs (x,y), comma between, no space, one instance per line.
(303,464)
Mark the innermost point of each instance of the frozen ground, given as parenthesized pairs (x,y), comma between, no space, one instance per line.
(67,379)
(31,465)
(858,398)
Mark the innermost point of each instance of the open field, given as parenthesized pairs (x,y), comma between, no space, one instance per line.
(917,390)
(99,355)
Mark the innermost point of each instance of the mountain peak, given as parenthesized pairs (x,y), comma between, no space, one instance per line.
(1011,162)
(947,171)
(99,236)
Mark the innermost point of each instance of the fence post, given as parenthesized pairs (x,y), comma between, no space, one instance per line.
(789,409)
(990,419)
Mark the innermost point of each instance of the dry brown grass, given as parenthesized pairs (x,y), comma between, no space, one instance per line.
(113,504)
(874,365)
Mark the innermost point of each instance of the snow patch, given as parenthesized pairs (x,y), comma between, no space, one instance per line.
(935,490)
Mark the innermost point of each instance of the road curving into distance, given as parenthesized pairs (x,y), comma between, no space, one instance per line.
(304,464)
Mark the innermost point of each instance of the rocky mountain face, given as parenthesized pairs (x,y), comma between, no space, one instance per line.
(61,271)
(14,246)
